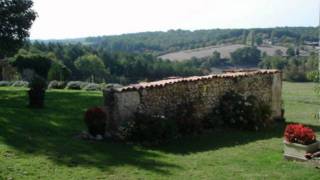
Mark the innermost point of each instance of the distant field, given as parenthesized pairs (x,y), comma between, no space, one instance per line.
(224,50)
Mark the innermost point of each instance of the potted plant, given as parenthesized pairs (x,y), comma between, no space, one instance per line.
(95,119)
(298,141)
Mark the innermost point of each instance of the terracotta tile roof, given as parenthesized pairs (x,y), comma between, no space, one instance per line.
(165,82)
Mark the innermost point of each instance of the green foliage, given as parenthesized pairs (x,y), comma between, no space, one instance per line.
(16,18)
(38,83)
(273,62)
(313,76)
(297,69)
(140,63)
(237,111)
(149,129)
(290,52)
(38,63)
(58,71)
(184,118)
(245,56)
(91,66)
(175,40)
(259,40)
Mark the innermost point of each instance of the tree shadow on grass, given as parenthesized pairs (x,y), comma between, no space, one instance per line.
(50,132)
(221,138)
(224,138)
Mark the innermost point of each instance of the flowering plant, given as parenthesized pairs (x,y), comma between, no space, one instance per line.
(297,133)
(95,119)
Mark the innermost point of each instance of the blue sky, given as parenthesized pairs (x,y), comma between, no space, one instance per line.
(81,18)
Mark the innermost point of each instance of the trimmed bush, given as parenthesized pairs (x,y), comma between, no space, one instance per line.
(5,83)
(20,84)
(77,85)
(92,87)
(95,119)
(56,85)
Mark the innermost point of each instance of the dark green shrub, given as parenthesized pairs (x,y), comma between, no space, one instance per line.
(95,119)
(151,129)
(237,111)
(38,83)
(56,85)
(184,118)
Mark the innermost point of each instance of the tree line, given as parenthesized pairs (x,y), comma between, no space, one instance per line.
(174,40)
(81,62)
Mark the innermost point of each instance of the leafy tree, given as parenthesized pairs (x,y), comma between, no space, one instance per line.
(16,18)
(278,52)
(91,66)
(245,56)
(276,62)
(58,71)
(215,59)
(244,37)
(290,52)
(259,40)
(252,36)
(272,37)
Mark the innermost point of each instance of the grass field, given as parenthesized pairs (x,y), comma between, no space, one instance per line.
(224,50)
(40,144)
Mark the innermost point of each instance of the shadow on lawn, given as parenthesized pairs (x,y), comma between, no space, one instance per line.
(50,132)
(224,138)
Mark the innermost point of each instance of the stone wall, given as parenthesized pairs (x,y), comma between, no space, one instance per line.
(156,98)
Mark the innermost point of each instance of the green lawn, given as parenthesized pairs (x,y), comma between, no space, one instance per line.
(40,144)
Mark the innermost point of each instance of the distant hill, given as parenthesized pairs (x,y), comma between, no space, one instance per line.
(159,43)
(224,50)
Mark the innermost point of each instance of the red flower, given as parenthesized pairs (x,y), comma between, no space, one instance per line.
(297,133)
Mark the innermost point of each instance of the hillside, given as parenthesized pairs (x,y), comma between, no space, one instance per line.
(159,42)
(224,50)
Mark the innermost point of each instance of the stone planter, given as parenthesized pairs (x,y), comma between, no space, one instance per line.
(298,151)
